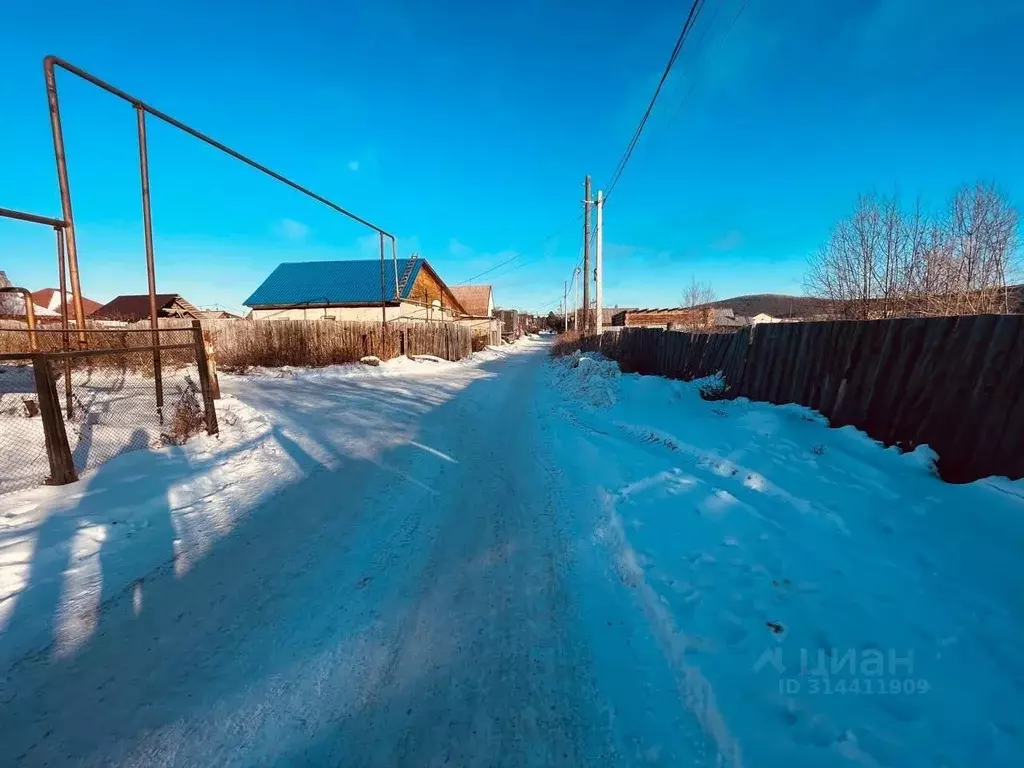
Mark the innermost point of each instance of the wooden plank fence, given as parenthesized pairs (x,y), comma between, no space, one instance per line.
(953,383)
(273,343)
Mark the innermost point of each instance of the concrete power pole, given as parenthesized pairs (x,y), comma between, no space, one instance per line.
(586,255)
(599,317)
(576,299)
(565,305)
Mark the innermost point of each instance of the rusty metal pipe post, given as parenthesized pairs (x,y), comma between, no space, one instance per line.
(30,314)
(65,196)
(147,225)
(62,282)
(394,258)
(383,305)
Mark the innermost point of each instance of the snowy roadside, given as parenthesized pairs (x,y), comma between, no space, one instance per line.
(145,509)
(820,600)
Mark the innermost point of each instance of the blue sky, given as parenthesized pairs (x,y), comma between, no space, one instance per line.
(466,128)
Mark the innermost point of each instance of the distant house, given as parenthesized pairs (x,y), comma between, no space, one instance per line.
(726,318)
(609,314)
(701,318)
(763,317)
(131,308)
(354,290)
(12,305)
(511,326)
(218,314)
(50,298)
(478,302)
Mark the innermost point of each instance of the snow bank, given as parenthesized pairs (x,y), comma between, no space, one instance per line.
(588,377)
(818,598)
(417,365)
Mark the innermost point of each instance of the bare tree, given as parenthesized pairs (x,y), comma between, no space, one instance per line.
(983,242)
(857,258)
(697,294)
(696,297)
(884,261)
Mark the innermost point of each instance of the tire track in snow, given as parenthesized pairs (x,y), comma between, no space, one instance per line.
(695,690)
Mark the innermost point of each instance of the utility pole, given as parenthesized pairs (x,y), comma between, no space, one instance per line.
(576,299)
(599,317)
(586,254)
(565,305)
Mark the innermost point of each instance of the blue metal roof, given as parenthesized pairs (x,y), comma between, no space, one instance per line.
(332,282)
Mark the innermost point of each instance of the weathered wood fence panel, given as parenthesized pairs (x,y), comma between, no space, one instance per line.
(954,383)
(315,342)
(272,343)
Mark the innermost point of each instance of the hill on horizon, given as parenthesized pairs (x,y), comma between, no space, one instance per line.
(774,304)
(784,306)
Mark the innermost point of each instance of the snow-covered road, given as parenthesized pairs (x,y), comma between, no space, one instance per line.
(402,601)
(508,562)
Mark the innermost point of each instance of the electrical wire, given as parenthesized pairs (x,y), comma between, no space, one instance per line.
(691,18)
(522,253)
(693,85)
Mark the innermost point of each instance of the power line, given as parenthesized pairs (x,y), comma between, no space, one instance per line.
(693,85)
(687,26)
(522,253)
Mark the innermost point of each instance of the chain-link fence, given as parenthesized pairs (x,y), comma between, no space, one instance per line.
(63,413)
(23,461)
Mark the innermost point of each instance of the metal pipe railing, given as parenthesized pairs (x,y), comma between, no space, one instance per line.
(9,213)
(30,314)
(49,65)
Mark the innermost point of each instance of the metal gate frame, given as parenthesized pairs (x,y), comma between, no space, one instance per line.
(50,64)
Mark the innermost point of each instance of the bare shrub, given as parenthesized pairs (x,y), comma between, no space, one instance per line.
(479,343)
(818,450)
(713,389)
(188,419)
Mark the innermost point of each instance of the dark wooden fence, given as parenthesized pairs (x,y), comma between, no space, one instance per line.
(953,383)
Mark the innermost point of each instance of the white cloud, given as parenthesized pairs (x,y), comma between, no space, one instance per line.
(353,165)
(290,229)
(459,250)
(729,241)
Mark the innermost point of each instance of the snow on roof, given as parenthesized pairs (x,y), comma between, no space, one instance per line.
(13,305)
(50,298)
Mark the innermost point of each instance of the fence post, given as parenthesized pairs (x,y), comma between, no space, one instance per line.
(204,378)
(211,363)
(62,466)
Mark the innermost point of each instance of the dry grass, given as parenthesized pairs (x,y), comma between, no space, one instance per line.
(566,343)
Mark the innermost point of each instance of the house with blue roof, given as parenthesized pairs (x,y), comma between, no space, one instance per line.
(360,290)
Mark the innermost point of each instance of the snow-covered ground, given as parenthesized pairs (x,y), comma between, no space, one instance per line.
(510,561)
(763,549)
